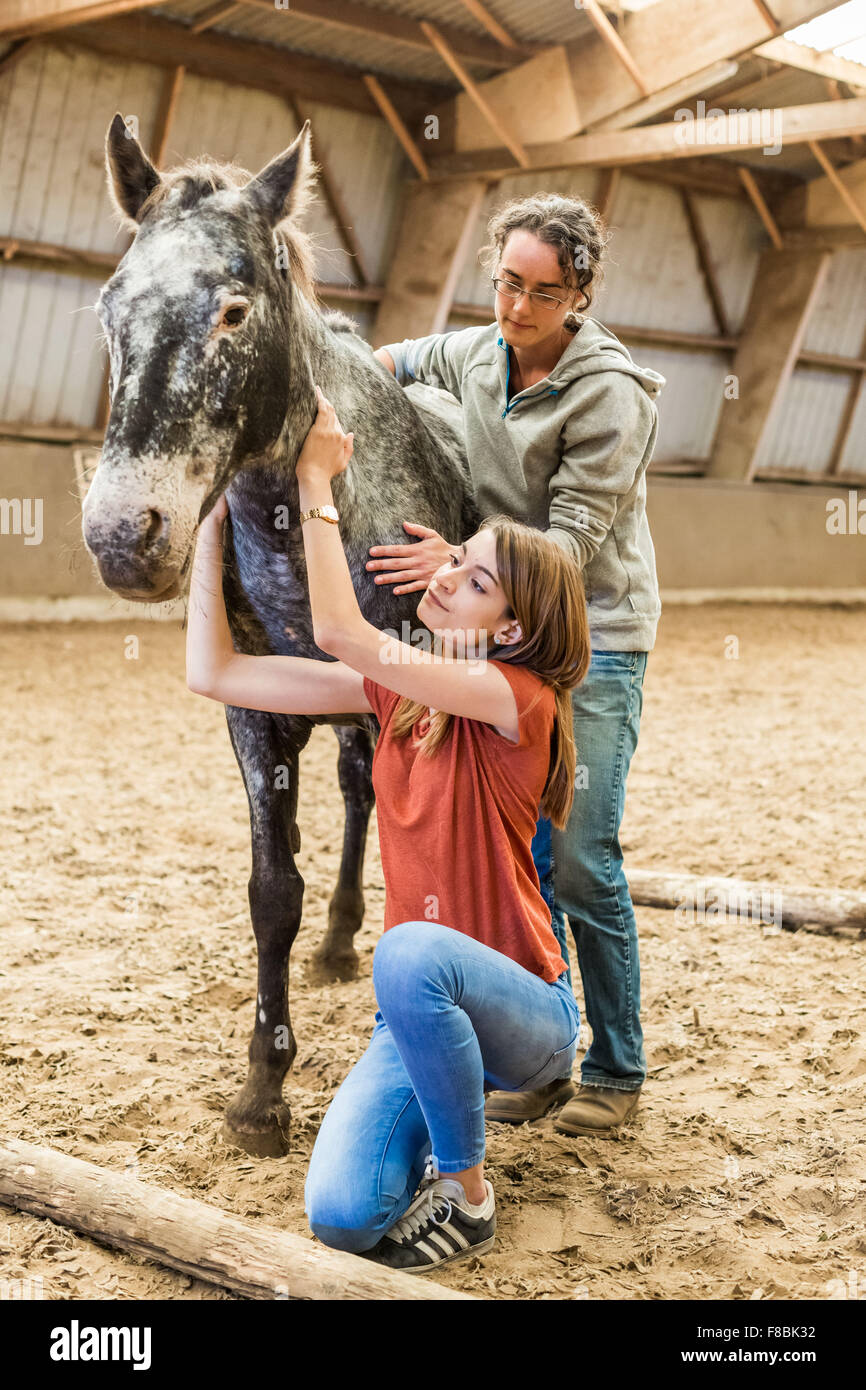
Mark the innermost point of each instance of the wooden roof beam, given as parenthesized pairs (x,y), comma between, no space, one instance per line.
(45,16)
(391,26)
(246,63)
(712,135)
(668,43)
(797,55)
(213,15)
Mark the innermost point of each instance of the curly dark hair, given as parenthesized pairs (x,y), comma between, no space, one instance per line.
(573,226)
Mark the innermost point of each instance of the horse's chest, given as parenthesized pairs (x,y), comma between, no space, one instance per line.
(277,593)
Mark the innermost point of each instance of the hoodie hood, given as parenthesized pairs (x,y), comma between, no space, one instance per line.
(595,349)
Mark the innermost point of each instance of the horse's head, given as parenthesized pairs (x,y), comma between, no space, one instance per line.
(196,324)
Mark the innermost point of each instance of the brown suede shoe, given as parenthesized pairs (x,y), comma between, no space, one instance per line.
(516,1107)
(597,1110)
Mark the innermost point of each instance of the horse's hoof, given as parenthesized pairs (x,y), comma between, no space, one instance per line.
(326,970)
(264,1140)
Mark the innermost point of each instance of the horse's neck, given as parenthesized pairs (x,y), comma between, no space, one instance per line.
(307,339)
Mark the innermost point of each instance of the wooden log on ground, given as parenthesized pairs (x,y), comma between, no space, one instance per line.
(191,1236)
(832,909)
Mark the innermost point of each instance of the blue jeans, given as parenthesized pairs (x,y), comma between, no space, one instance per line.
(581,870)
(453,1014)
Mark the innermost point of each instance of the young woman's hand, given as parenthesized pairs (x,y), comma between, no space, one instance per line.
(412,566)
(326,450)
(212,526)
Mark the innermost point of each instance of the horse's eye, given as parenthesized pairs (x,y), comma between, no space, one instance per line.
(234,315)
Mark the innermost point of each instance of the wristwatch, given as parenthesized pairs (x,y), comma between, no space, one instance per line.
(326,513)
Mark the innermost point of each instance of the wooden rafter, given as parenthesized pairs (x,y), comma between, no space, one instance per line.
(213,15)
(850,202)
(608,34)
(797,55)
(768,17)
(705,261)
(669,97)
(759,203)
(31,17)
(727,134)
(241,62)
(388,26)
(491,24)
(397,124)
(473,91)
(334,199)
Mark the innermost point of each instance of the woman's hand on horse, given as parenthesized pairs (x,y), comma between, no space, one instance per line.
(217,514)
(413,565)
(326,449)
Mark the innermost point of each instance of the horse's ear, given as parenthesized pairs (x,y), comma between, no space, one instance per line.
(131,176)
(284,187)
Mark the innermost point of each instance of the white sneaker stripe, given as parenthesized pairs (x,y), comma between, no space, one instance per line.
(441,1242)
(455,1235)
(428,1250)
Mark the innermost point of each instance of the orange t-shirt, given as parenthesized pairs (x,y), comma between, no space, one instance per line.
(455,830)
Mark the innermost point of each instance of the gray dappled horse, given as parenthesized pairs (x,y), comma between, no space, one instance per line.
(215,340)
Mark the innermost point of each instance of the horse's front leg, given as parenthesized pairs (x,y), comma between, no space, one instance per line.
(336,957)
(258,1119)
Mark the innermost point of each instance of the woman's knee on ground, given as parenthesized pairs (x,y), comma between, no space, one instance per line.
(344,1219)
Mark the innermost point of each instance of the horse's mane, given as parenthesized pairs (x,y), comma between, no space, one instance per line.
(199,178)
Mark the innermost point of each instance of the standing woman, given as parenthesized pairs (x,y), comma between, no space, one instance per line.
(560,427)
(470,982)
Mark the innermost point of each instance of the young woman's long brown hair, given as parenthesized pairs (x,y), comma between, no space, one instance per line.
(544,591)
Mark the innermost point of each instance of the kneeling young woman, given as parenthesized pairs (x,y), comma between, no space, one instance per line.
(469,979)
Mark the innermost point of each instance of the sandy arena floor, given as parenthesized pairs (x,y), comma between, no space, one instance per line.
(128,977)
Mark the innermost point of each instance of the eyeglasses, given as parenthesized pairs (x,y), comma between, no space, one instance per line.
(512,291)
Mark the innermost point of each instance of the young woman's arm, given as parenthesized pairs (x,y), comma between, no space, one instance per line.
(472,688)
(278,684)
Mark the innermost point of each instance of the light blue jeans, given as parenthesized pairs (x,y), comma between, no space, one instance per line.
(453,1015)
(581,873)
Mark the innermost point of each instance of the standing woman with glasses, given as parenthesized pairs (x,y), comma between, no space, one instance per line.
(560,426)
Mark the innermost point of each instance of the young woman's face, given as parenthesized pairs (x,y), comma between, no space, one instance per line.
(464,602)
(533,265)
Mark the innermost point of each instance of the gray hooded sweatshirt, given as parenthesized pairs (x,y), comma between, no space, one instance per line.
(567,455)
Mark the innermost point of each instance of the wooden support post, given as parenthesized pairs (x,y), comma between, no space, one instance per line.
(442,312)
(705,260)
(337,207)
(198,1239)
(786,286)
(473,91)
(608,34)
(833,909)
(851,203)
(171,89)
(432,233)
(749,182)
(846,422)
(395,121)
(15,53)
(607,188)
